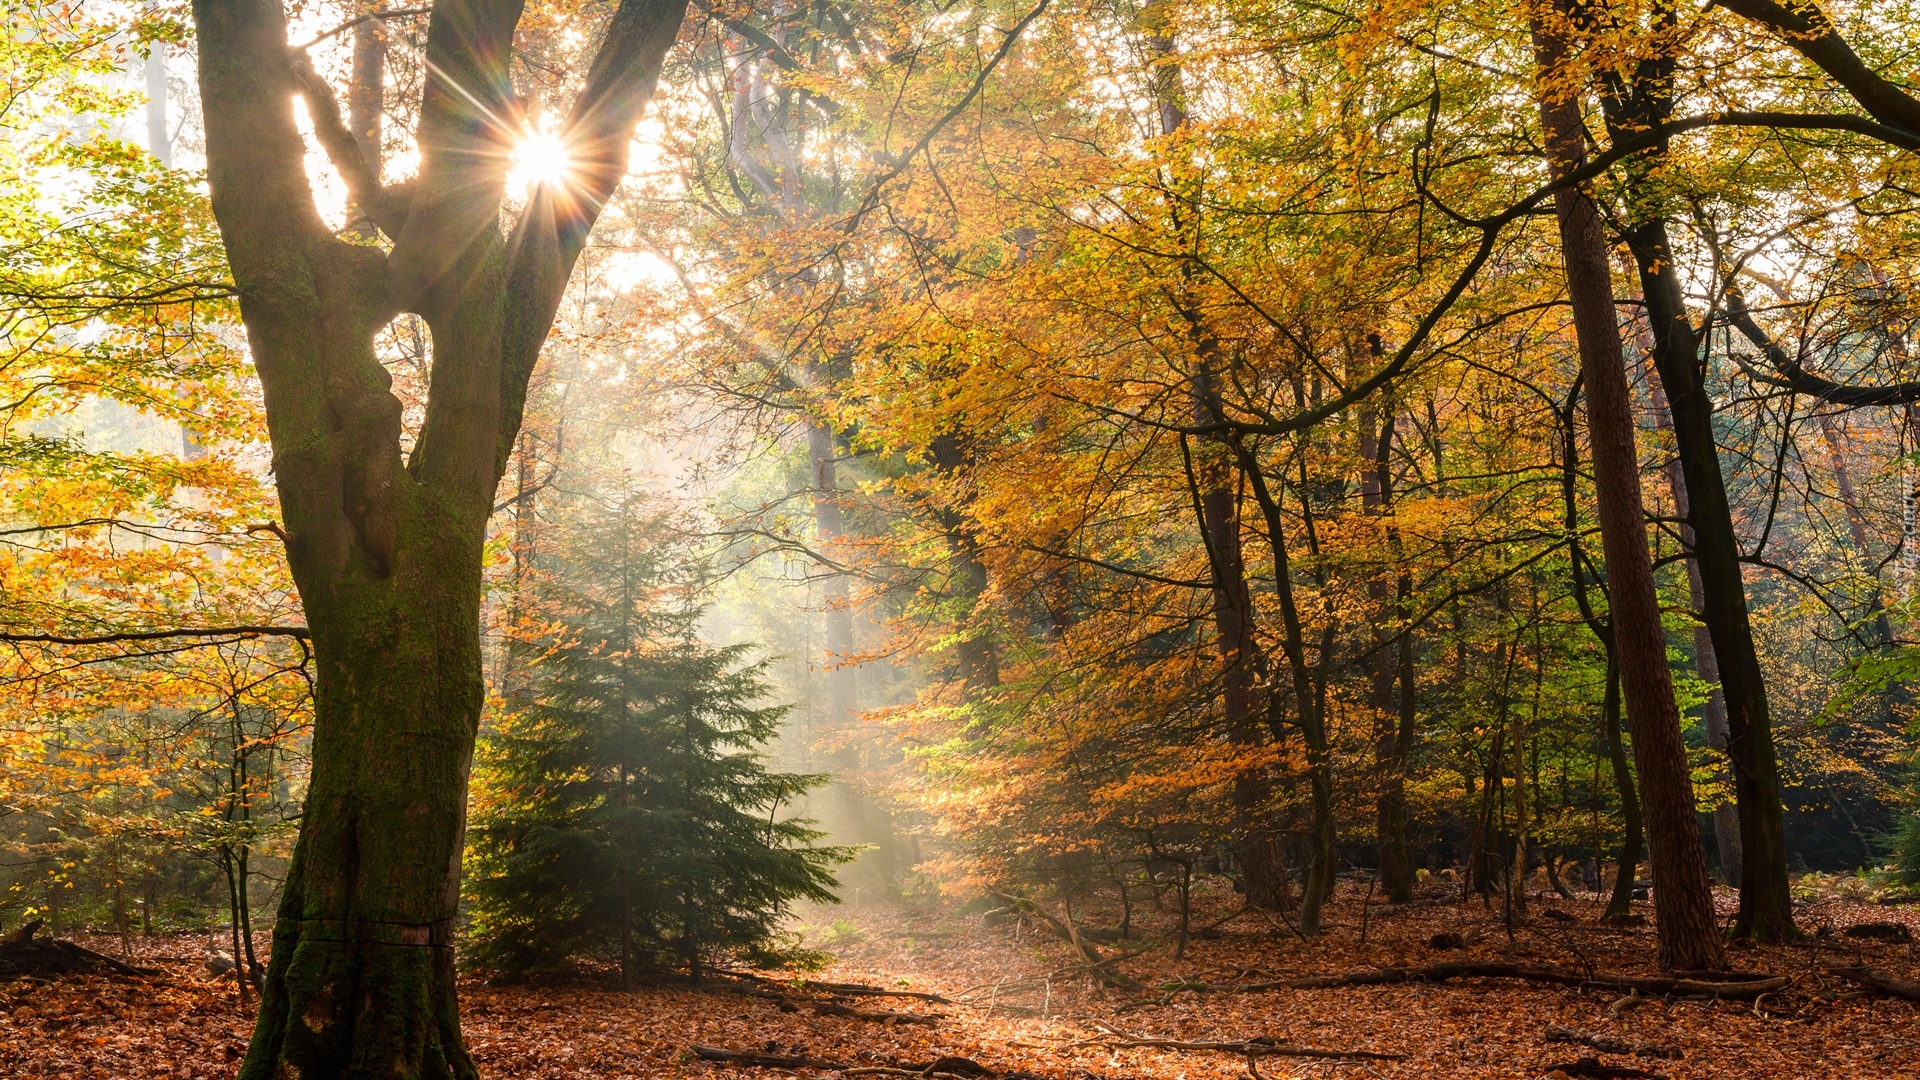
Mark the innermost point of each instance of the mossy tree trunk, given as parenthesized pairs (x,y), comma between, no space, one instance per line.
(386,549)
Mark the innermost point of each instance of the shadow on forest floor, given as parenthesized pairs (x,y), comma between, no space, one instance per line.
(1018,1000)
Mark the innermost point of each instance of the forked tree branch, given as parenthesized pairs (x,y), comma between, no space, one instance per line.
(551,232)
(343,150)
(1808,31)
(1794,376)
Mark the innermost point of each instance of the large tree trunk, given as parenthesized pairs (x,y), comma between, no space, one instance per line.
(385,553)
(1631,106)
(1683,901)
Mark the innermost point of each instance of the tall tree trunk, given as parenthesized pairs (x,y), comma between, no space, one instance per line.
(1632,105)
(159,139)
(1726,817)
(1632,832)
(1257,841)
(1307,703)
(385,552)
(1212,476)
(830,524)
(1390,663)
(843,686)
(1688,934)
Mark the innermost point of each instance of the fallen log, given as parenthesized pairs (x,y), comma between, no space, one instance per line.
(1258,1046)
(1446,970)
(21,954)
(1609,1044)
(1875,979)
(840,989)
(764,1061)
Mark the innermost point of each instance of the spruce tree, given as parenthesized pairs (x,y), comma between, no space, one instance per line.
(629,817)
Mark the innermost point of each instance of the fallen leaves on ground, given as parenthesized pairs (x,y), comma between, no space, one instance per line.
(1021,1001)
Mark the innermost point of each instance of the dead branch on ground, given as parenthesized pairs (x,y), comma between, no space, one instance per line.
(1875,979)
(1608,1043)
(1258,1046)
(1742,990)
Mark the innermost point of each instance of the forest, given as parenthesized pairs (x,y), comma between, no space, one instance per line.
(997,540)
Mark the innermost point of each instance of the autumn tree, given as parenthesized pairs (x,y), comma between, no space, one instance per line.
(386,548)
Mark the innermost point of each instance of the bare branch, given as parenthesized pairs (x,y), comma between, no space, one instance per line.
(156,635)
(395,13)
(1794,376)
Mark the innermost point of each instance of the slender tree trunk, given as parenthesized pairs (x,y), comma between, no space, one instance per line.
(1726,817)
(1632,832)
(159,139)
(367,102)
(1391,662)
(1688,934)
(1766,905)
(830,523)
(240,979)
(1257,845)
(1517,880)
(1306,700)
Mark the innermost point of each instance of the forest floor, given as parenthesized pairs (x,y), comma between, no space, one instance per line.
(1020,1002)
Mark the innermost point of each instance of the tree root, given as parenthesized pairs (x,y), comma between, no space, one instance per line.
(1742,990)
(1875,979)
(1557,1034)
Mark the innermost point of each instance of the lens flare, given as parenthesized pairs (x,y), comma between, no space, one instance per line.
(540,160)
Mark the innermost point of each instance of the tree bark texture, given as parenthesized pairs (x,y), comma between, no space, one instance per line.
(1683,899)
(386,552)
